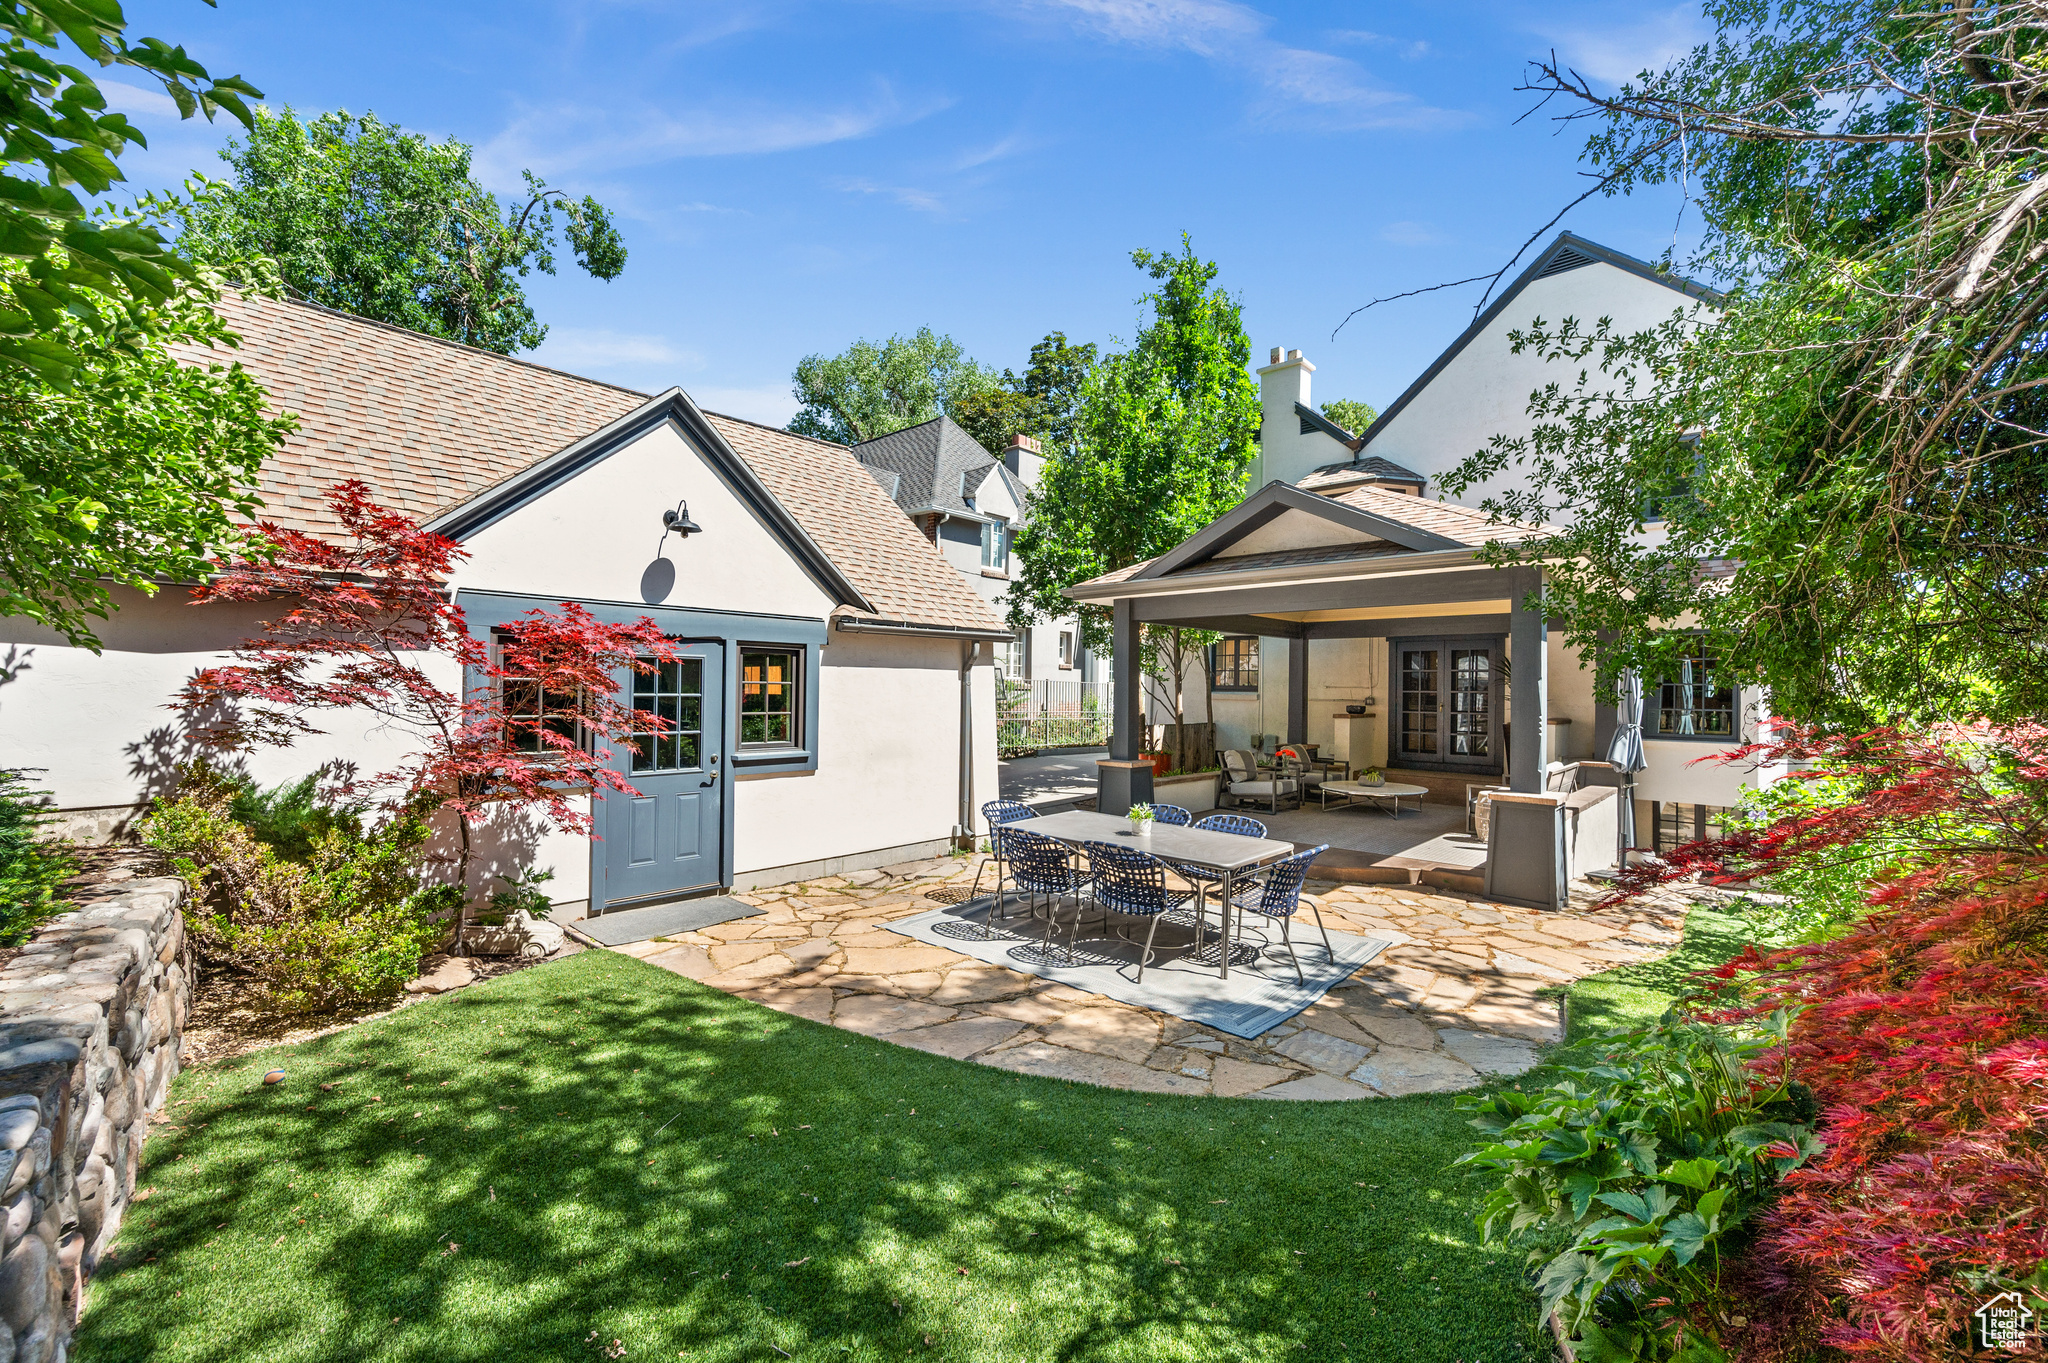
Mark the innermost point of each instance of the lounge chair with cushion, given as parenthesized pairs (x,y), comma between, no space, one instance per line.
(1242,781)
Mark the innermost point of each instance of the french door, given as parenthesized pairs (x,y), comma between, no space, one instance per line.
(666,840)
(1448,711)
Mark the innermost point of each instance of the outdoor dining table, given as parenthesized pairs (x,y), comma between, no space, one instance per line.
(1228,854)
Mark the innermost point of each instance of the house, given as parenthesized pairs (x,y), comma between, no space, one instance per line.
(970,504)
(1347,580)
(556,486)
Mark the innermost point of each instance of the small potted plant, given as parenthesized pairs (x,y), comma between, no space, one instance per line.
(1141,817)
(1372,776)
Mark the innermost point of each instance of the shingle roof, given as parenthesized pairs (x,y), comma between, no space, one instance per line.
(938,466)
(866,534)
(429,424)
(1463,524)
(1366,468)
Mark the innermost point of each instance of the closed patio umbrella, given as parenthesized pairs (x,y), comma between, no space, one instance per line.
(1626,752)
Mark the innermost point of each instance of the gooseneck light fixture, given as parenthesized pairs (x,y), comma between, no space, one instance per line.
(679,521)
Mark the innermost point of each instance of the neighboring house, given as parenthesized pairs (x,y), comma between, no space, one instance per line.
(1435,681)
(555,486)
(971,504)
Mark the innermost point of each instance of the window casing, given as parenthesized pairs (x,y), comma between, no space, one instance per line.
(1234,664)
(771,711)
(1675,824)
(1066,648)
(1696,703)
(995,545)
(531,709)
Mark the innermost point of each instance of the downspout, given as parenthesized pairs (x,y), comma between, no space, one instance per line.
(963,832)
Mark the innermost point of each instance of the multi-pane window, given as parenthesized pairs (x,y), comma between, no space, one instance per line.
(1696,703)
(995,545)
(1234,664)
(1677,824)
(768,713)
(675,692)
(1419,701)
(532,709)
(1471,701)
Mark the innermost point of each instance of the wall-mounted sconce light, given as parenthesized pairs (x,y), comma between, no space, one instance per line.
(679,521)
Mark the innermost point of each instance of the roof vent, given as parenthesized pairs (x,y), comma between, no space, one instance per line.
(1567,258)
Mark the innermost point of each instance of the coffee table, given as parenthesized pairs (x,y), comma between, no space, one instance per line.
(1387,790)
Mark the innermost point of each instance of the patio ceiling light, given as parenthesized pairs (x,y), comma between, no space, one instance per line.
(679,521)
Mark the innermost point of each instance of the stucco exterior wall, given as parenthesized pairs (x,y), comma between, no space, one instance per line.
(598,537)
(888,760)
(1484,390)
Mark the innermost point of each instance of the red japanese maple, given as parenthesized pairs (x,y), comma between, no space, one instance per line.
(371,626)
(1923,1030)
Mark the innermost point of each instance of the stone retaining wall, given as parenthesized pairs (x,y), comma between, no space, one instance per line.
(92,1015)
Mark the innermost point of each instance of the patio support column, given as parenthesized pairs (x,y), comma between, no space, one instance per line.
(1121,779)
(1297,690)
(1529,652)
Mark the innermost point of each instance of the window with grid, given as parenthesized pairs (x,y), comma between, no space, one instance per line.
(1696,703)
(1678,824)
(1234,664)
(768,697)
(532,709)
(675,692)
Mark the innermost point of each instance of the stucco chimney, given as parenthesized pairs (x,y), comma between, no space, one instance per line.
(1025,457)
(1282,384)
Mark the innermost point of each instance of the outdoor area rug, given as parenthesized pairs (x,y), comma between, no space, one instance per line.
(626,926)
(1261,992)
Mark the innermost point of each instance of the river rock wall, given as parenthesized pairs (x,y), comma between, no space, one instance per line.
(92,1016)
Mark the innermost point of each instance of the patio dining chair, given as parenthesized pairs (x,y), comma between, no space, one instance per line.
(1201,877)
(1173,816)
(1042,867)
(997,814)
(1131,883)
(1279,894)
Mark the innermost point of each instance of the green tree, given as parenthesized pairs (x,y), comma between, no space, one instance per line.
(1855,438)
(118,465)
(1043,403)
(1352,415)
(70,280)
(870,389)
(365,217)
(1161,445)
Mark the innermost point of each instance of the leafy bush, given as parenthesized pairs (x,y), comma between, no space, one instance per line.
(345,926)
(291,818)
(30,869)
(522,894)
(1924,1030)
(1651,1164)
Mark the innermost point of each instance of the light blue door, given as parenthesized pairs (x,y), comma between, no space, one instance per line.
(664,841)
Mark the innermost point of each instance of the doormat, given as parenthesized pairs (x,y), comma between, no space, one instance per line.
(1182,979)
(625,926)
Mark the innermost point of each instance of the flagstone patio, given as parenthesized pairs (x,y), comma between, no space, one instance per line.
(1460,994)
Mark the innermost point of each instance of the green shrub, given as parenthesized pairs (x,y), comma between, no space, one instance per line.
(290,819)
(343,927)
(1648,1165)
(30,869)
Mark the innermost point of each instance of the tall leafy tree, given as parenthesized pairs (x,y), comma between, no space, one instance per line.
(362,216)
(1352,415)
(1161,444)
(1855,442)
(872,388)
(118,465)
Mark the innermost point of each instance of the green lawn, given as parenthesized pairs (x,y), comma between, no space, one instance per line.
(624,1155)
(1636,994)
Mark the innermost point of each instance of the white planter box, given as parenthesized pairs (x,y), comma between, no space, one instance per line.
(1195,793)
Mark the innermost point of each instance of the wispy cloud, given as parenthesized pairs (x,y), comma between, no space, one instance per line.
(1410,234)
(578,348)
(923,200)
(592,139)
(1327,90)
(1615,54)
(770,404)
(1408,49)
(133,99)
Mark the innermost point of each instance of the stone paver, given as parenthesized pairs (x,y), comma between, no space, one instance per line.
(1458,995)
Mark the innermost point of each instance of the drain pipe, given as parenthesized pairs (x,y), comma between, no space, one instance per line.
(963,832)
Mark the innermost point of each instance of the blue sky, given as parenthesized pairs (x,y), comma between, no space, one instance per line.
(790,176)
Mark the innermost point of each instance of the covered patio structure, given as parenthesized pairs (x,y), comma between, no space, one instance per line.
(1467,663)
